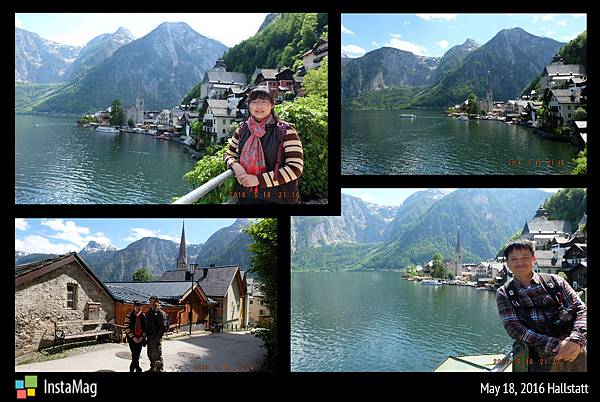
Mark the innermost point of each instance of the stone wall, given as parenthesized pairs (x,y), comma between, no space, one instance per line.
(42,302)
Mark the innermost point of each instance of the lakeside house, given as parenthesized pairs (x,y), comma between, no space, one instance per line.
(218,118)
(541,231)
(312,58)
(557,74)
(278,81)
(218,81)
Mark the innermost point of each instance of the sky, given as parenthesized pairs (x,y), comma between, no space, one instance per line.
(59,236)
(395,196)
(433,34)
(78,29)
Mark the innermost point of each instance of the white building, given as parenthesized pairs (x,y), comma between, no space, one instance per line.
(313,58)
(218,118)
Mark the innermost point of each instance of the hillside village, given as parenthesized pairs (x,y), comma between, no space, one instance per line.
(207,119)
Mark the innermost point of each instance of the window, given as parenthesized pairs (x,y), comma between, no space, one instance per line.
(224,121)
(261,312)
(72,296)
(223,131)
(251,301)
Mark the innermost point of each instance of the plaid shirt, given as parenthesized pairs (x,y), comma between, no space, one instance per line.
(531,297)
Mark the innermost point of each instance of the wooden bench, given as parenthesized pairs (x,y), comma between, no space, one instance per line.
(64,330)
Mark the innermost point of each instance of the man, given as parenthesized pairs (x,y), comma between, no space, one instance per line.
(156,326)
(135,330)
(543,311)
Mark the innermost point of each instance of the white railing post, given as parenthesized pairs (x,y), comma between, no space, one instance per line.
(204,189)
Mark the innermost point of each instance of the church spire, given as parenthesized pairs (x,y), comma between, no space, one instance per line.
(182,257)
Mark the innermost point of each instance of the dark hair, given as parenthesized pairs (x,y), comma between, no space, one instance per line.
(154,297)
(518,245)
(260,93)
(136,304)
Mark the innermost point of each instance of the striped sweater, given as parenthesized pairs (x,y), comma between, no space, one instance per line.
(293,157)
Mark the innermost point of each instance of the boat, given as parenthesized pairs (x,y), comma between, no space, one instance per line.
(107,129)
(463,117)
(407,116)
(433,282)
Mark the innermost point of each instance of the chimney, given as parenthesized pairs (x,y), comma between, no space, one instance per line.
(204,273)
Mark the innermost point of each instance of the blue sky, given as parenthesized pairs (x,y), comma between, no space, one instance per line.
(395,196)
(58,236)
(77,29)
(434,34)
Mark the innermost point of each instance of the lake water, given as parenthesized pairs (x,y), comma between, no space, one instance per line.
(380,142)
(57,162)
(376,321)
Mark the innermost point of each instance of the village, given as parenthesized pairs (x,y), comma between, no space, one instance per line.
(556,111)
(60,303)
(207,119)
(558,250)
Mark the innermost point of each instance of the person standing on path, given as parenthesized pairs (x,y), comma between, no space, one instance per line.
(135,330)
(156,326)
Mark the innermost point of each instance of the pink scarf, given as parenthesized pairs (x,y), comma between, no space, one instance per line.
(252,157)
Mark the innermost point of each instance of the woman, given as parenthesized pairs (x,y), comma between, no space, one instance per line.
(135,330)
(266,155)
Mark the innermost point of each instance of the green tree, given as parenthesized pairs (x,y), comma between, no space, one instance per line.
(580,163)
(130,122)
(438,270)
(208,167)
(580,114)
(264,265)
(116,115)
(141,275)
(563,275)
(308,31)
(473,107)
(568,204)
(316,81)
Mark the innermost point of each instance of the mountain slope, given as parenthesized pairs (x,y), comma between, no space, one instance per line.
(97,50)
(383,68)
(39,60)
(453,58)
(162,66)
(509,61)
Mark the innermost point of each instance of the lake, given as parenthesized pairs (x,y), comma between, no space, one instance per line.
(57,162)
(380,142)
(376,321)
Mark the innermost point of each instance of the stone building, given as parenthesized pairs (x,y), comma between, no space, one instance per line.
(56,290)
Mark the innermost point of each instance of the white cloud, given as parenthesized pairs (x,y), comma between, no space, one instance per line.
(375,44)
(447,17)
(74,234)
(41,244)
(443,43)
(393,35)
(139,233)
(548,17)
(367,198)
(569,37)
(21,224)
(406,24)
(562,23)
(408,46)
(578,15)
(353,50)
(347,31)
(535,19)
(18,22)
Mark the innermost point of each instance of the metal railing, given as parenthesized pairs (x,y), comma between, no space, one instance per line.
(518,357)
(204,189)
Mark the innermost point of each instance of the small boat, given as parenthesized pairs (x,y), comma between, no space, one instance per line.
(433,282)
(107,129)
(463,117)
(407,116)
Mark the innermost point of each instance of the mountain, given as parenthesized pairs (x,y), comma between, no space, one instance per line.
(279,42)
(268,19)
(425,224)
(383,68)
(510,60)
(24,258)
(360,222)
(97,50)
(453,58)
(162,66)
(39,60)
(227,246)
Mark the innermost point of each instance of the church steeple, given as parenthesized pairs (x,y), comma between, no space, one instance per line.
(182,257)
(458,263)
